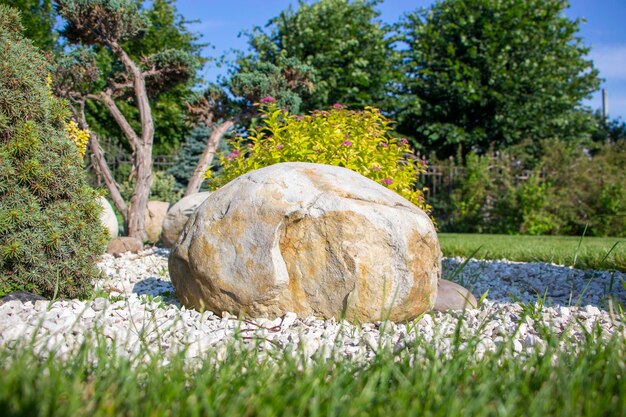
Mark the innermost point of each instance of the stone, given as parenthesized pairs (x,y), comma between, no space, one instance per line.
(123,244)
(452,296)
(108,218)
(312,239)
(22,296)
(177,217)
(154,216)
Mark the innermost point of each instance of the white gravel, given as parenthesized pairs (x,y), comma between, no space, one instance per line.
(141,312)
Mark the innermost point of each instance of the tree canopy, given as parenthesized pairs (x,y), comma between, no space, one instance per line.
(38,19)
(343,42)
(162,29)
(481,73)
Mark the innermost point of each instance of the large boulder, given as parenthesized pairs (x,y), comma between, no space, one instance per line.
(155,214)
(108,218)
(177,217)
(313,239)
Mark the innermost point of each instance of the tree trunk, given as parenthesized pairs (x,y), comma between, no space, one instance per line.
(97,156)
(143,151)
(100,163)
(206,158)
(139,200)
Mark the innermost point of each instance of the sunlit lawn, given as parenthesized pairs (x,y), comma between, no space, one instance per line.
(593,252)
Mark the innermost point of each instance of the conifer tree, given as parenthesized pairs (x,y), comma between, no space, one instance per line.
(50,230)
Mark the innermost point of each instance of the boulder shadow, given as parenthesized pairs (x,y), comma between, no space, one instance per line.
(155,287)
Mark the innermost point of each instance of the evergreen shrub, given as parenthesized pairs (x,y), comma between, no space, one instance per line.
(50,230)
(357,140)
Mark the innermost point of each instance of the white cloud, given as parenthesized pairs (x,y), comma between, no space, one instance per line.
(610,61)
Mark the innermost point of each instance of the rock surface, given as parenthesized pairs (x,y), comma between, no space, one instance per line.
(177,217)
(123,244)
(313,239)
(452,296)
(155,214)
(108,218)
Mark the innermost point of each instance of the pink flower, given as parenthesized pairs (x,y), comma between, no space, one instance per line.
(383,144)
(346,143)
(267,100)
(376,168)
(338,106)
(234,154)
(279,146)
(386,181)
(404,141)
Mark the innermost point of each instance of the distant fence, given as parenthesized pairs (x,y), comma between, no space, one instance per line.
(437,178)
(442,178)
(120,160)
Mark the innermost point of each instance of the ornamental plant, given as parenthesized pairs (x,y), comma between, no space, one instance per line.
(357,140)
(50,230)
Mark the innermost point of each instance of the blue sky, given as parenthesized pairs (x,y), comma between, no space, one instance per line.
(221,21)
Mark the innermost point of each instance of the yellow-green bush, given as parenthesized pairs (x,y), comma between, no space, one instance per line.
(357,140)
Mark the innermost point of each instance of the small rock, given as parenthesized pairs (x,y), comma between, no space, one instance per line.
(22,296)
(452,296)
(120,245)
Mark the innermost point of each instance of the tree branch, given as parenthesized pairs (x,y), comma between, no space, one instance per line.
(105,98)
(97,157)
(207,156)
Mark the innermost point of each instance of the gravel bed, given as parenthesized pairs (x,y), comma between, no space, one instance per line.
(141,312)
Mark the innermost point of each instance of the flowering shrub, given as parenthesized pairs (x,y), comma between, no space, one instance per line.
(80,137)
(357,140)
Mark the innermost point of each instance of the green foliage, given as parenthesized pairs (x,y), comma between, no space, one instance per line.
(567,377)
(612,130)
(288,80)
(101,22)
(588,188)
(187,159)
(569,190)
(50,230)
(341,40)
(357,140)
(162,44)
(163,188)
(483,72)
(38,18)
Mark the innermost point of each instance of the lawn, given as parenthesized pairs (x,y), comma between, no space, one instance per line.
(589,253)
(587,381)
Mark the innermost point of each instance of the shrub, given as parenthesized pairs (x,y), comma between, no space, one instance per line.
(570,190)
(50,230)
(357,140)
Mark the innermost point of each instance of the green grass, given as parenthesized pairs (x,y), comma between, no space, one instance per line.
(553,383)
(563,250)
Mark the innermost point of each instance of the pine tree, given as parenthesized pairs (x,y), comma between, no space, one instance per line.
(50,230)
